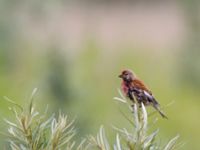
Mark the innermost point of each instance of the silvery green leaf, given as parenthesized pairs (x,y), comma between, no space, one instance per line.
(136,117)
(120,99)
(12,102)
(150,138)
(81,145)
(118,145)
(145,121)
(103,138)
(66,140)
(10,123)
(45,123)
(53,125)
(170,145)
(11,131)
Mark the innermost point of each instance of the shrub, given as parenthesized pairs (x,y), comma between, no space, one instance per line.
(32,130)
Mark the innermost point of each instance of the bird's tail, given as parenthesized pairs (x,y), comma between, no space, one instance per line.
(160,112)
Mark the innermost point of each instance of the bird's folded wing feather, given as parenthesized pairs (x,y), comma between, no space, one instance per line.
(151,98)
(140,85)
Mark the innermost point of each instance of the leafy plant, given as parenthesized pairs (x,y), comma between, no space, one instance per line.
(32,130)
(136,140)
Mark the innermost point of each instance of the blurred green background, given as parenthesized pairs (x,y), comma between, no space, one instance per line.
(73,51)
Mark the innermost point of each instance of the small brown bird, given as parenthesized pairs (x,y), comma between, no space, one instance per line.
(133,87)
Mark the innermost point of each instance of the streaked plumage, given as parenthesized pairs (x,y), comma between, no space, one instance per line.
(133,87)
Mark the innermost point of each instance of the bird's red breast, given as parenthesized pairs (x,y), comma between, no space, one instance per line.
(124,87)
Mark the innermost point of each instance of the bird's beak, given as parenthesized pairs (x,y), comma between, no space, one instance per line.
(120,76)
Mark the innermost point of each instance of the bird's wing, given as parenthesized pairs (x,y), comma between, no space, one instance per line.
(151,98)
(138,84)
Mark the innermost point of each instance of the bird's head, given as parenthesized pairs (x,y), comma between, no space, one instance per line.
(127,75)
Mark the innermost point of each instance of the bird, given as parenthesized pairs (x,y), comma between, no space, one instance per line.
(135,89)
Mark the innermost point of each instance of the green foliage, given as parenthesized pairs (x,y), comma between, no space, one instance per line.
(136,140)
(32,130)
